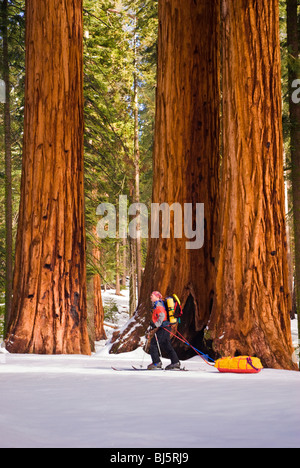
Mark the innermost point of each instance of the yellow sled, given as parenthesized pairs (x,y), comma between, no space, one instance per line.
(239,365)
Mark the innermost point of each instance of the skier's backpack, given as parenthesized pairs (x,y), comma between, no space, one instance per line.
(174,309)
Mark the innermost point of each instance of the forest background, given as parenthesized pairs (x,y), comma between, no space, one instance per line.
(120,56)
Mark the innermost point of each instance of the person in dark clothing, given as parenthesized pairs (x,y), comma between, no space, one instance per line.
(161,338)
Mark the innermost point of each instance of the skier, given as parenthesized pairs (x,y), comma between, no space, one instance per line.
(161,338)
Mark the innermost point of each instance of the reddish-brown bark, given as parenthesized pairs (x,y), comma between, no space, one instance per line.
(251,313)
(49,302)
(186,159)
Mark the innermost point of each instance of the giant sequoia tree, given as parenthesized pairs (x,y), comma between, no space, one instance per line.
(238,289)
(186,160)
(253,302)
(49,291)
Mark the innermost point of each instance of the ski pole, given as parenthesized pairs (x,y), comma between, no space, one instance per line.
(145,347)
(158,346)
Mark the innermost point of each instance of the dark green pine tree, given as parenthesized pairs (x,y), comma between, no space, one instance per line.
(11,126)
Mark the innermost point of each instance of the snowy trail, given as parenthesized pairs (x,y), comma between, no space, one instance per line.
(77,401)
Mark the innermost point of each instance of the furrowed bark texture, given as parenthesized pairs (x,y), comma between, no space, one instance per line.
(186,159)
(253,301)
(49,303)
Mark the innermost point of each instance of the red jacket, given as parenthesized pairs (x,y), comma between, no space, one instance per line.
(159,314)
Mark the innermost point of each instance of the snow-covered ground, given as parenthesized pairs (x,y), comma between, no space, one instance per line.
(79,401)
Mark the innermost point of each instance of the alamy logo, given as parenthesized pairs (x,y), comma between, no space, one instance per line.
(2,92)
(296,93)
(188,221)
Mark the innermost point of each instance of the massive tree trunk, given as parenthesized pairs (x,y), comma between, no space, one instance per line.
(253,302)
(49,301)
(186,161)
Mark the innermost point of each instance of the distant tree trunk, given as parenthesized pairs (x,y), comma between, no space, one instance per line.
(186,161)
(97,299)
(132,277)
(8,173)
(98,310)
(294,74)
(118,285)
(253,302)
(124,262)
(49,301)
(137,168)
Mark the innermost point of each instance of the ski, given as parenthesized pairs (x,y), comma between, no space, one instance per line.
(134,369)
(120,370)
(182,369)
(148,370)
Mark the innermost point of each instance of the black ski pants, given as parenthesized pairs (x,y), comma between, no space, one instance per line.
(164,340)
